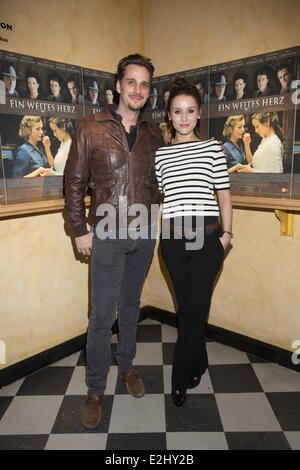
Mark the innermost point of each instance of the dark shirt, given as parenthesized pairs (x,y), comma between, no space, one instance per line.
(131,136)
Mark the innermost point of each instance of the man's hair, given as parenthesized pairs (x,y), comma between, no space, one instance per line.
(134,59)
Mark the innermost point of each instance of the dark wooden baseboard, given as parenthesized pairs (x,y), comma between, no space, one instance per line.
(229,338)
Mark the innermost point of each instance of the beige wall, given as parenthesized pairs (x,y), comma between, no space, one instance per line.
(182,35)
(89,33)
(257,293)
(44,288)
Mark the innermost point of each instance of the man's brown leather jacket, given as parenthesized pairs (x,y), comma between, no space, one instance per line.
(100,159)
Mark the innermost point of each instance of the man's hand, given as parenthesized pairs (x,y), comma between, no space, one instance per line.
(84,243)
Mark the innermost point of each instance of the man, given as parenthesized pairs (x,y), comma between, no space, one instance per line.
(93,92)
(152,102)
(219,89)
(74,89)
(9,77)
(113,154)
(263,83)
(284,75)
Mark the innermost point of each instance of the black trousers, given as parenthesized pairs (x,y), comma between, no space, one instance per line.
(193,273)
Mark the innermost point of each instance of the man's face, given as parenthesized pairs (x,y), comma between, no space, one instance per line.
(220,90)
(262,82)
(10,83)
(285,77)
(134,88)
(93,95)
(73,89)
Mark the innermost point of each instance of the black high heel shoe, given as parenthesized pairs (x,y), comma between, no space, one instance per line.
(194,382)
(179,397)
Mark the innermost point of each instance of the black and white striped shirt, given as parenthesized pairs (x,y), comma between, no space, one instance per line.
(187,174)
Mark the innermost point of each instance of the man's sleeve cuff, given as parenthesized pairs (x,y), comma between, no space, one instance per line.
(80,230)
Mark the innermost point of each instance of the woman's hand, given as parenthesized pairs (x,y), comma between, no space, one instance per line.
(246,169)
(236,167)
(46,142)
(225,240)
(247,138)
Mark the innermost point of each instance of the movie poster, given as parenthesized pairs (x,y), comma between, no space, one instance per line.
(41,102)
(252,112)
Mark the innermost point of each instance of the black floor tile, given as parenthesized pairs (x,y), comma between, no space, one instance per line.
(148,334)
(198,414)
(26,442)
(286,406)
(257,441)
(168,352)
(4,404)
(141,441)
(82,358)
(234,378)
(152,377)
(256,359)
(48,381)
(69,421)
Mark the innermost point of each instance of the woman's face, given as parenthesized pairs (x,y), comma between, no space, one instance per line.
(239,86)
(55,87)
(33,84)
(261,128)
(109,96)
(238,130)
(35,132)
(59,133)
(184,113)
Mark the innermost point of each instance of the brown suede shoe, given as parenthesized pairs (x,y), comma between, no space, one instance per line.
(91,413)
(134,384)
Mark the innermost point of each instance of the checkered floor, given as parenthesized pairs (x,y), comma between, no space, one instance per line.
(242,402)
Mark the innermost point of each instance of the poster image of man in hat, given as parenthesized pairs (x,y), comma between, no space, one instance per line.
(218,94)
(9,78)
(92,95)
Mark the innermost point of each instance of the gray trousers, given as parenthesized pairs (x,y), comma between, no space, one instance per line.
(118,271)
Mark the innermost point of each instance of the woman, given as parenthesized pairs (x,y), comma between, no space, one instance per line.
(269,154)
(240,86)
(30,159)
(62,129)
(234,130)
(188,172)
(33,84)
(56,85)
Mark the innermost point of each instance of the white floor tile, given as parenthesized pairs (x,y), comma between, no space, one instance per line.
(222,354)
(275,378)
(30,415)
(133,415)
(293,438)
(76,442)
(196,441)
(246,412)
(148,354)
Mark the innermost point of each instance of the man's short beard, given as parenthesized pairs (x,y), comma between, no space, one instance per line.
(137,108)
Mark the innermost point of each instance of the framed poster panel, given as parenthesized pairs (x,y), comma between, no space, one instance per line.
(41,102)
(251,111)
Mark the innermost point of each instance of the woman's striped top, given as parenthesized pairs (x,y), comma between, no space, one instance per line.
(187,174)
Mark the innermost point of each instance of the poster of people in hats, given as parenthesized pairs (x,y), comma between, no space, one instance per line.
(41,102)
(250,105)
